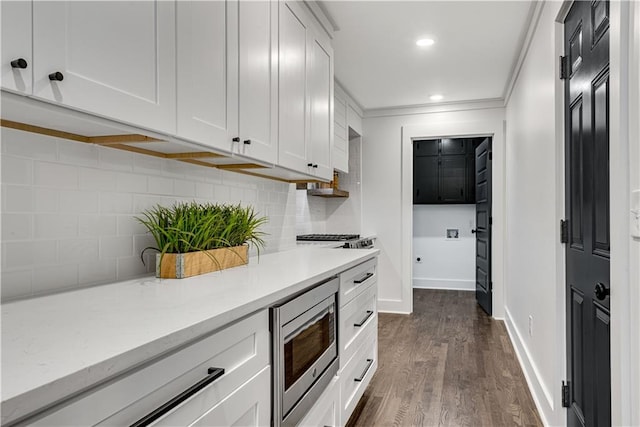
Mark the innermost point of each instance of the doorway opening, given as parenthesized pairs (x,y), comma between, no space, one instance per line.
(451,236)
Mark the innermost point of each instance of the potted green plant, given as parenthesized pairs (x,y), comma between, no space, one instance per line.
(193,238)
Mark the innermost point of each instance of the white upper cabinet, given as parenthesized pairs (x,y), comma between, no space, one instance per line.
(204,111)
(340,151)
(17,61)
(306,94)
(320,83)
(293,102)
(227,75)
(111,58)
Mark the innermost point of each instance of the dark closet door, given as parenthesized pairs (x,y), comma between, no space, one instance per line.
(483,226)
(587,207)
(452,178)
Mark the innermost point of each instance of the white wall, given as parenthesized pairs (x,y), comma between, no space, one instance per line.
(534,194)
(68,210)
(382,199)
(444,263)
(344,215)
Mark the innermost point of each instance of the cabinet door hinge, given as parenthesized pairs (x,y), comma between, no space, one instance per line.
(564,231)
(566,401)
(564,67)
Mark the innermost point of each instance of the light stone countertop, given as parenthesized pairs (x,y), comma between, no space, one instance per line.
(58,345)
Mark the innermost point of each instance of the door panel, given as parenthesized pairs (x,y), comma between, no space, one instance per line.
(425,148)
(453,146)
(117,59)
(587,206)
(425,179)
(483,225)
(452,179)
(320,92)
(16,43)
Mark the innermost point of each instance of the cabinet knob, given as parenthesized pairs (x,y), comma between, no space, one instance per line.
(601,291)
(247,142)
(19,63)
(57,76)
(235,139)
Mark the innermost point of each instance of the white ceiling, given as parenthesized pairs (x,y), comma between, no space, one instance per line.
(379,64)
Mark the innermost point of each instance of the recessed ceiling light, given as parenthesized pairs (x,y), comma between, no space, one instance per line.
(425,42)
(436,97)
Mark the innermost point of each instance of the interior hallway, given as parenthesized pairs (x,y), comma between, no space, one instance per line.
(447,364)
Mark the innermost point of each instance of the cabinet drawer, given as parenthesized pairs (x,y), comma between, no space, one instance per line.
(356,375)
(356,278)
(242,350)
(357,318)
(249,406)
(326,411)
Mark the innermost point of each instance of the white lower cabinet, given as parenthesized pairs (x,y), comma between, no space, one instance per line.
(356,375)
(326,411)
(241,396)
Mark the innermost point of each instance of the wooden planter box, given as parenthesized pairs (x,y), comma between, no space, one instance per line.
(179,266)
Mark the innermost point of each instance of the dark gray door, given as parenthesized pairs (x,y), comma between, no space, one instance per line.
(587,207)
(483,225)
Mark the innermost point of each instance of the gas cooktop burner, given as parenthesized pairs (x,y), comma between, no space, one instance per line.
(327,237)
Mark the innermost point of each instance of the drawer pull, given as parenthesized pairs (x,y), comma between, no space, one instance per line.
(363,321)
(363,278)
(214,374)
(364,373)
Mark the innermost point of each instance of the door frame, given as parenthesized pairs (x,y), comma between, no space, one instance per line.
(625,343)
(494,129)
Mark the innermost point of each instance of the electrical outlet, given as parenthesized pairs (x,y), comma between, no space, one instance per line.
(530,326)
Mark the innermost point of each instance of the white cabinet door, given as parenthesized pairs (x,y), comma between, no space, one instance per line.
(340,151)
(292,82)
(257,36)
(207,112)
(116,59)
(320,84)
(17,62)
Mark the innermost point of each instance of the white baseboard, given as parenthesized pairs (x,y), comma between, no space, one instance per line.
(448,284)
(542,397)
(392,306)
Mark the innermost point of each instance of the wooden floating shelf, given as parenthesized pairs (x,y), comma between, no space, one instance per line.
(131,142)
(328,192)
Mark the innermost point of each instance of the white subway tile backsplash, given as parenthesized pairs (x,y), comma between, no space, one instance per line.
(114,247)
(16,226)
(55,175)
(97,180)
(131,183)
(78,251)
(116,203)
(16,170)
(78,154)
(39,147)
(78,201)
(54,278)
(103,271)
(16,283)
(97,225)
(17,198)
(75,207)
(53,226)
(131,267)
(116,160)
(160,185)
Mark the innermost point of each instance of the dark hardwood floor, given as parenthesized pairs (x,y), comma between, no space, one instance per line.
(447,364)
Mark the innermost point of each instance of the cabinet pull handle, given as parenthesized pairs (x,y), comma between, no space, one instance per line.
(364,373)
(214,374)
(235,139)
(461,193)
(19,63)
(310,164)
(247,142)
(363,278)
(315,166)
(363,321)
(57,76)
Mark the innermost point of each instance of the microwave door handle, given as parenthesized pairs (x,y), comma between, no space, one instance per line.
(307,324)
(214,374)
